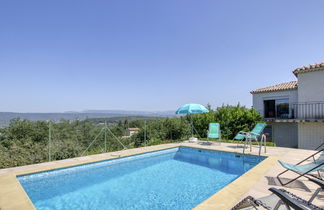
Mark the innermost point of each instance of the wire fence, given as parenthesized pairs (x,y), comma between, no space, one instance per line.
(66,142)
(25,142)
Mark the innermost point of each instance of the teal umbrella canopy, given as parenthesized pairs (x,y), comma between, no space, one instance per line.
(192,109)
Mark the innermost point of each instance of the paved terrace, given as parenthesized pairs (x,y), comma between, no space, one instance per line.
(255,182)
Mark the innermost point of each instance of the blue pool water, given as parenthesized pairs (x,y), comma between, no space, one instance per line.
(177,178)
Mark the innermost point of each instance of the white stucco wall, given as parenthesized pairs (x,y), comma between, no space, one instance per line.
(258,98)
(285,134)
(311,87)
(310,134)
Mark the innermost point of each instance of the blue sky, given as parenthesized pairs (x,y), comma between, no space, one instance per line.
(148,54)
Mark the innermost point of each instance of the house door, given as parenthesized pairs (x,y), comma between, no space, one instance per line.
(269,108)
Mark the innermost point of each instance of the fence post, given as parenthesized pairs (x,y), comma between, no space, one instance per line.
(105,136)
(145,132)
(49,140)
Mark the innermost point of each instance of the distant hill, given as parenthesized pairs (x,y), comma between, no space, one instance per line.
(112,120)
(5,117)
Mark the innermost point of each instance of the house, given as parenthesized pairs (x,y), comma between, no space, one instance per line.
(131,131)
(295,110)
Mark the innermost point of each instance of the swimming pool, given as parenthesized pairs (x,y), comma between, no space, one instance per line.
(176,178)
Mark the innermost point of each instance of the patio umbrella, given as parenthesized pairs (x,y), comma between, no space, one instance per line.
(192,109)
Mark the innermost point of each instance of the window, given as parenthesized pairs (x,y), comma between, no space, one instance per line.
(276,108)
(282,107)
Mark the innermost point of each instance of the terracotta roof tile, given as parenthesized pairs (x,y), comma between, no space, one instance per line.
(309,68)
(280,87)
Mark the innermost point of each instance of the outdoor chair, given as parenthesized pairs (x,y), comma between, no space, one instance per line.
(213,132)
(280,199)
(304,169)
(248,137)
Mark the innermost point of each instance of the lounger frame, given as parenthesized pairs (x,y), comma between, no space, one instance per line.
(305,174)
(286,198)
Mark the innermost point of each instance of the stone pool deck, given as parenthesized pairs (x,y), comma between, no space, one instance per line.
(255,182)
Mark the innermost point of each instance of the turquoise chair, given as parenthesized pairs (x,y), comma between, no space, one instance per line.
(304,169)
(213,132)
(252,135)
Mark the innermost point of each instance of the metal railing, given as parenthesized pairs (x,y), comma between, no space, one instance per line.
(312,110)
(301,111)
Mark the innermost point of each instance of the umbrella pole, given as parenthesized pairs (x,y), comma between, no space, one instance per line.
(191,125)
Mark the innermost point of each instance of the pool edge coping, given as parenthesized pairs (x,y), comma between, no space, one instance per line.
(20,198)
(235,191)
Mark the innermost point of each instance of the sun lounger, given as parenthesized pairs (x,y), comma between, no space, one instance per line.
(280,199)
(252,135)
(304,169)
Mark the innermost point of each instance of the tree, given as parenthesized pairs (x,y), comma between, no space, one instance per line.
(26,142)
(236,118)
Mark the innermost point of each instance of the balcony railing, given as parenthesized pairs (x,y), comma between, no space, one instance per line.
(302,111)
(313,110)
